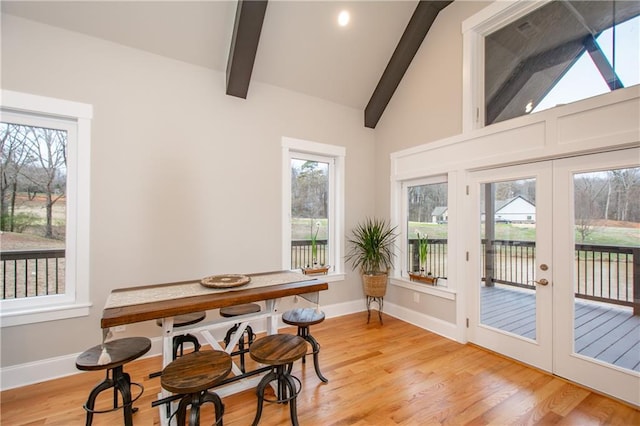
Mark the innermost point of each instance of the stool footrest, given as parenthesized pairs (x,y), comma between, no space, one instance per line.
(280,399)
(140,387)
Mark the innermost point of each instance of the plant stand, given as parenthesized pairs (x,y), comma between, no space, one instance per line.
(379,301)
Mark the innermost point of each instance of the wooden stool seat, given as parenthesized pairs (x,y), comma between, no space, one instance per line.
(191,375)
(120,351)
(186,319)
(243,345)
(236,310)
(303,318)
(279,351)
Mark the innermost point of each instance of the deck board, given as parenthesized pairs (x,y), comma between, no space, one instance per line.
(608,333)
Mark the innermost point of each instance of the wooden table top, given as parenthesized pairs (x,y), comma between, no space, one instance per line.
(121,315)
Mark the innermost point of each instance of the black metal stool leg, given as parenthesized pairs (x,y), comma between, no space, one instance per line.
(292,396)
(181,413)
(227,337)
(315,346)
(123,385)
(91,401)
(217,403)
(242,349)
(194,415)
(268,378)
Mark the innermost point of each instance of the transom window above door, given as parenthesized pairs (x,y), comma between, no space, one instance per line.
(532,56)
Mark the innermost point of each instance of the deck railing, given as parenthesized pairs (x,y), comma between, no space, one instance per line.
(436,257)
(603,273)
(29,273)
(301,253)
(608,273)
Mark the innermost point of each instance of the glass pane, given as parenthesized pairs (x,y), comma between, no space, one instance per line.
(427,221)
(33,210)
(309,213)
(607,247)
(508,232)
(560,53)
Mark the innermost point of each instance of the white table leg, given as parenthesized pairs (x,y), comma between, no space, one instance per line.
(167,357)
(272,320)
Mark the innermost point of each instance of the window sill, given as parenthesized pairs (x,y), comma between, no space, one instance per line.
(330,277)
(43,314)
(442,292)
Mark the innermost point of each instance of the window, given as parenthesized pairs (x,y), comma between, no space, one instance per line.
(44,204)
(427,218)
(526,57)
(313,203)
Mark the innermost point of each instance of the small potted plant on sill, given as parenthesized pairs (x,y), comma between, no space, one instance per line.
(423,250)
(372,251)
(315,267)
(423,275)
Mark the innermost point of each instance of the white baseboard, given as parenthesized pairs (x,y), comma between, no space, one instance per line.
(435,325)
(53,368)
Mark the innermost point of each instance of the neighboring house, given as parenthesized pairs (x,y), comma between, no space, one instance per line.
(516,209)
(440,215)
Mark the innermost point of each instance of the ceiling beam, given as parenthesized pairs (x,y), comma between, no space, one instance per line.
(417,29)
(557,60)
(602,63)
(244,45)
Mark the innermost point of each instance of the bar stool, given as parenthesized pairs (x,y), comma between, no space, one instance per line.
(234,311)
(303,318)
(121,351)
(180,339)
(191,375)
(279,351)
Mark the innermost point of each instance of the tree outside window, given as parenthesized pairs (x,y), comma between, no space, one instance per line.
(33,176)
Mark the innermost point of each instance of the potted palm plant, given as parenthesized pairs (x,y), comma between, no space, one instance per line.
(372,251)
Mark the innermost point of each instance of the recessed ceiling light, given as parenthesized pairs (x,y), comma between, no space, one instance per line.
(343,18)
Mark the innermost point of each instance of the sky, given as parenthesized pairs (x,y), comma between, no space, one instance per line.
(583,80)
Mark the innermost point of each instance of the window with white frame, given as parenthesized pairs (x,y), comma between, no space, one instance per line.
(313,200)
(425,227)
(44,208)
(525,57)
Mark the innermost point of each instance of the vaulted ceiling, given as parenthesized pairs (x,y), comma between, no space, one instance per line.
(299,45)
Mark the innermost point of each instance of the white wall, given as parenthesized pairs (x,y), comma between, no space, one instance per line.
(185,180)
(427,106)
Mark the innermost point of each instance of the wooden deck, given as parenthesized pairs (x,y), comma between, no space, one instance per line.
(609,333)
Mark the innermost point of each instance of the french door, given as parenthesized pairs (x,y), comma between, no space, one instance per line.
(511,235)
(551,267)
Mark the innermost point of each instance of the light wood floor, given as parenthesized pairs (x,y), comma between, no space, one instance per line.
(378,375)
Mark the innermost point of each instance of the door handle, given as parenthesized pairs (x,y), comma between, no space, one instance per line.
(543,281)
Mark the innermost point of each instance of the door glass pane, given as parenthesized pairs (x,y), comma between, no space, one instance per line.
(508,232)
(607,266)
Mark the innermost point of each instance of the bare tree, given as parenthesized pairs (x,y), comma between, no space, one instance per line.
(48,147)
(587,189)
(423,199)
(14,157)
(624,181)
